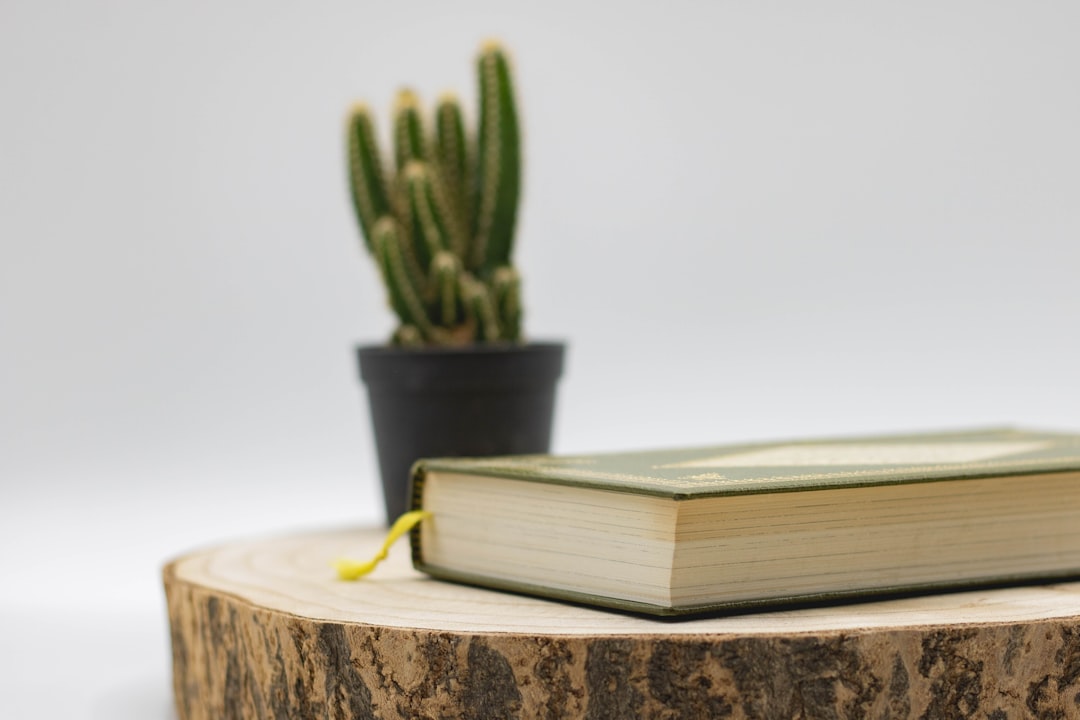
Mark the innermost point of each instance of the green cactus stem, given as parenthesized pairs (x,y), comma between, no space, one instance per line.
(480,308)
(403,291)
(446,274)
(452,157)
(367,182)
(498,167)
(409,141)
(429,212)
(506,289)
(428,226)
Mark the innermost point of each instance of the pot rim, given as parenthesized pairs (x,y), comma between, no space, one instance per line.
(485,348)
(487,366)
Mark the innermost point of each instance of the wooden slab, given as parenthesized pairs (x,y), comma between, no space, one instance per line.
(262,629)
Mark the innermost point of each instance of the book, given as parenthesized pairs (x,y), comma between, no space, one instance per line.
(687,531)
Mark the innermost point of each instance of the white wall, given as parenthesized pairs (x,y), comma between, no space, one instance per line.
(750,220)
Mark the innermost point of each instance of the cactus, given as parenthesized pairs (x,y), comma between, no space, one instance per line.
(441,227)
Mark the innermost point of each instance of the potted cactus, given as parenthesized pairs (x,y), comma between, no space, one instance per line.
(457,377)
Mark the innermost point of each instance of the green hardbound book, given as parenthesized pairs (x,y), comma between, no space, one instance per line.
(686,531)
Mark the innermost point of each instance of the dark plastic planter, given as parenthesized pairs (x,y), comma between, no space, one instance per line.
(443,402)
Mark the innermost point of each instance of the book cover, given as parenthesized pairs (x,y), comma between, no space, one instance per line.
(788,466)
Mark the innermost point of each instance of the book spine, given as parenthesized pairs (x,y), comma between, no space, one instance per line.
(416,501)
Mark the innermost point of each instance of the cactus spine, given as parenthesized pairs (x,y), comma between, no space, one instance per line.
(441,228)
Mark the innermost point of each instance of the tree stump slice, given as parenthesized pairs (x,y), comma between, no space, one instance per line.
(262,629)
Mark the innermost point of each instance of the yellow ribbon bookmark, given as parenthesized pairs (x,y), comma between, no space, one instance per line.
(353,570)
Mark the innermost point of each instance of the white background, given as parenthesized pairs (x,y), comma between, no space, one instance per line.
(749,220)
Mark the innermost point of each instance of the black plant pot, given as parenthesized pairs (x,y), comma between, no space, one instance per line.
(443,402)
